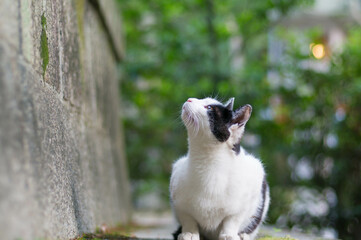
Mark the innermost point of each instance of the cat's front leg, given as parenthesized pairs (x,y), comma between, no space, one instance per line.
(189,227)
(245,236)
(188,236)
(230,229)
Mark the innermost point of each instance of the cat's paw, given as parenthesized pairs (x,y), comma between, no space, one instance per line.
(229,237)
(245,236)
(188,236)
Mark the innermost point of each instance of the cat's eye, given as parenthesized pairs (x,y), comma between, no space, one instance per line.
(209,107)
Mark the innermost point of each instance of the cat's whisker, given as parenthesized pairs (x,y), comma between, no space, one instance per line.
(202,125)
(199,124)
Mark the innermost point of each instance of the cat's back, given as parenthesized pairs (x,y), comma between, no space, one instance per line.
(245,176)
(247,164)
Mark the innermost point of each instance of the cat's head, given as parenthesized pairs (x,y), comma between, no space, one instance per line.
(210,120)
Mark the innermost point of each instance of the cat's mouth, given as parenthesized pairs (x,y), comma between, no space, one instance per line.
(189,118)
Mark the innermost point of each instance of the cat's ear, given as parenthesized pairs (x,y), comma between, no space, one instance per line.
(241,115)
(229,104)
(239,119)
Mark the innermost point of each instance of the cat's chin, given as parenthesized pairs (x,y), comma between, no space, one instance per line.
(191,122)
(187,118)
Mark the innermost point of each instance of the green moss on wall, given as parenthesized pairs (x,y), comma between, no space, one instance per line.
(79,8)
(44,50)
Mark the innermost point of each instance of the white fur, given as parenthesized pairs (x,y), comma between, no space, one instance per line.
(214,191)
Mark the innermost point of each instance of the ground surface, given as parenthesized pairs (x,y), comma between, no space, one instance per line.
(161,225)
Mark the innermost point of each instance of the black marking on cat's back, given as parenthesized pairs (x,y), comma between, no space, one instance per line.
(237,148)
(220,119)
(257,218)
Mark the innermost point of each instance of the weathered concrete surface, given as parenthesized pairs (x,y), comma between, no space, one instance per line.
(62,167)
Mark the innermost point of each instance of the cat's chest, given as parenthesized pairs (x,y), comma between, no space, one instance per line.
(218,186)
(208,198)
(209,189)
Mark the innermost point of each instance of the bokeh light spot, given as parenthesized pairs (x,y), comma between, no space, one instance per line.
(318,50)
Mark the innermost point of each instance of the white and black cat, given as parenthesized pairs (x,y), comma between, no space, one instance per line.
(218,191)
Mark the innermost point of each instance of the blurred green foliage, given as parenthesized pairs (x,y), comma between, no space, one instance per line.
(305,124)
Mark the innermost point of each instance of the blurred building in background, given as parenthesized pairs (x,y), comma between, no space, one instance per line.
(330,18)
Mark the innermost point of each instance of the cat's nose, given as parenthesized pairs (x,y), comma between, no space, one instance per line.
(189,100)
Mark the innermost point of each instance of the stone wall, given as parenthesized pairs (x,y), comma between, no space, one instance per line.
(62,164)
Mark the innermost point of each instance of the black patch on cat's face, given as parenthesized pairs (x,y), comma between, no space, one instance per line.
(220,120)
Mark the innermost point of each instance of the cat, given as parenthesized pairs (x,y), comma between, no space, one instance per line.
(218,191)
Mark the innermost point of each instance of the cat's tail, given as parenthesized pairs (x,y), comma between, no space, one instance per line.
(177,232)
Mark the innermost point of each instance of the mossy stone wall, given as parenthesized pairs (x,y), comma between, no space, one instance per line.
(62,164)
